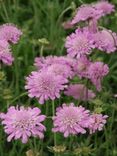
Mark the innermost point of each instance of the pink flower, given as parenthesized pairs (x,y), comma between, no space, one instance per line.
(71,120)
(79,43)
(5,53)
(61,70)
(80,92)
(98,122)
(105,7)
(45,86)
(80,67)
(86,12)
(44,62)
(96,72)
(10,33)
(22,123)
(105,40)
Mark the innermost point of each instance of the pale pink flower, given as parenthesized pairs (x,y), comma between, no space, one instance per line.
(79,92)
(96,72)
(61,70)
(80,66)
(105,40)
(98,122)
(86,12)
(105,7)
(71,119)
(5,53)
(79,43)
(45,86)
(22,123)
(10,33)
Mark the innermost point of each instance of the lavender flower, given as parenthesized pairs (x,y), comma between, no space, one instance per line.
(44,62)
(44,85)
(10,33)
(79,92)
(5,53)
(105,40)
(22,123)
(80,67)
(79,43)
(86,12)
(71,120)
(96,72)
(98,122)
(61,70)
(105,7)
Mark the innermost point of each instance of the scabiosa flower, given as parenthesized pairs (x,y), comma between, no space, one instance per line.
(44,85)
(22,123)
(79,43)
(98,122)
(79,92)
(71,120)
(5,53)
(61,70)
(105,7)
(96,72)
(86,12)
(80,67)
(44,62)
(105,40)
(10,33)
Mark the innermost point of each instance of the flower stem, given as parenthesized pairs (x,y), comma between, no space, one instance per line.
(41,50)
(53,110)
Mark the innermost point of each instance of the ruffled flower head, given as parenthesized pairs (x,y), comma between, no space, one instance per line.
(86,12)
(105,40)
(79,43)
(80,67)
(22,123)
(96,72)
(10,33)
(79,92)
(45,86)
(5,53)
(98,122)
(71,120)
(105,7)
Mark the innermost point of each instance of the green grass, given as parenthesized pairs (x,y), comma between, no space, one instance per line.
(43,19)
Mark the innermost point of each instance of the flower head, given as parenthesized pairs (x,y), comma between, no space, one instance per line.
(22,123)
(44,85)
(5,53)
(86,12)
(98,122)
(79,43)
(10,33)
(96,72)
(61,70)
(105,40)
(45,62)
(80,67)
(71,120)
(79,91)
(105,7)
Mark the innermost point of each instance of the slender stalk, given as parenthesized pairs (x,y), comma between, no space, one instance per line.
(53,111)
(41,50)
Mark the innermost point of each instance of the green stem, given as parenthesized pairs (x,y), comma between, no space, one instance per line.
(23,94)
(53,111)
(41,50)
